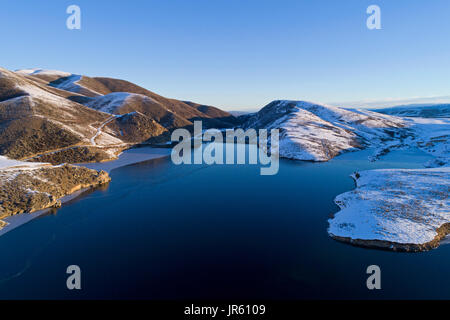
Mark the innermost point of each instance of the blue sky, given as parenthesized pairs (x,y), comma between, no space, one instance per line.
(240,54)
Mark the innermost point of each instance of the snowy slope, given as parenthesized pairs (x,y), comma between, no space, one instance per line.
(6,163)
(398,206)
(36,71)
(40,120)
(72,83)
(111,103)
(316,132)
(48,103)
(60,116)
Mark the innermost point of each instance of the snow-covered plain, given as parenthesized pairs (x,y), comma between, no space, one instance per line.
(399,206)
(432,136)
(425,111)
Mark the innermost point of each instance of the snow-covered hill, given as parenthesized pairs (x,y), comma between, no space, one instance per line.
(55,116)
(37,119)
(310,131)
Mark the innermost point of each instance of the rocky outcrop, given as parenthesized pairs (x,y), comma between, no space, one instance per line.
(26,190)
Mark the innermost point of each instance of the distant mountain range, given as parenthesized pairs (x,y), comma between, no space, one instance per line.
(418,110)
(390,103)
(55,116)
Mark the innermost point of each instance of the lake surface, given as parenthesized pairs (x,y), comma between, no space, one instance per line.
(161,231)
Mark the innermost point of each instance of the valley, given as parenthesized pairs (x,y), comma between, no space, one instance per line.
(51,119)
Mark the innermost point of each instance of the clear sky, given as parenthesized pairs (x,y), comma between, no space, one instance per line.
(240,54)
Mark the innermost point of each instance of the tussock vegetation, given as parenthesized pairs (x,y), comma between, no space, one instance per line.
(75,155)
(30,190)
(20,139)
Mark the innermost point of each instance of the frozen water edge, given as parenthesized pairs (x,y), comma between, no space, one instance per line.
(13,222)
(128,157)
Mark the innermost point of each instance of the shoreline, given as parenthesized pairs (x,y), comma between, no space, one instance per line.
(15,221)
(128,157)
(443,235)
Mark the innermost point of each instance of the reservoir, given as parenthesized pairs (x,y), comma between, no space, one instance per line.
(161,231)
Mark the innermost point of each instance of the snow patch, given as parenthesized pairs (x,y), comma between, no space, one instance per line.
(110,103)
(37,71)
(6,163)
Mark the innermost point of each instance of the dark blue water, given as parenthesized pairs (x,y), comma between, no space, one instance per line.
(162,231)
